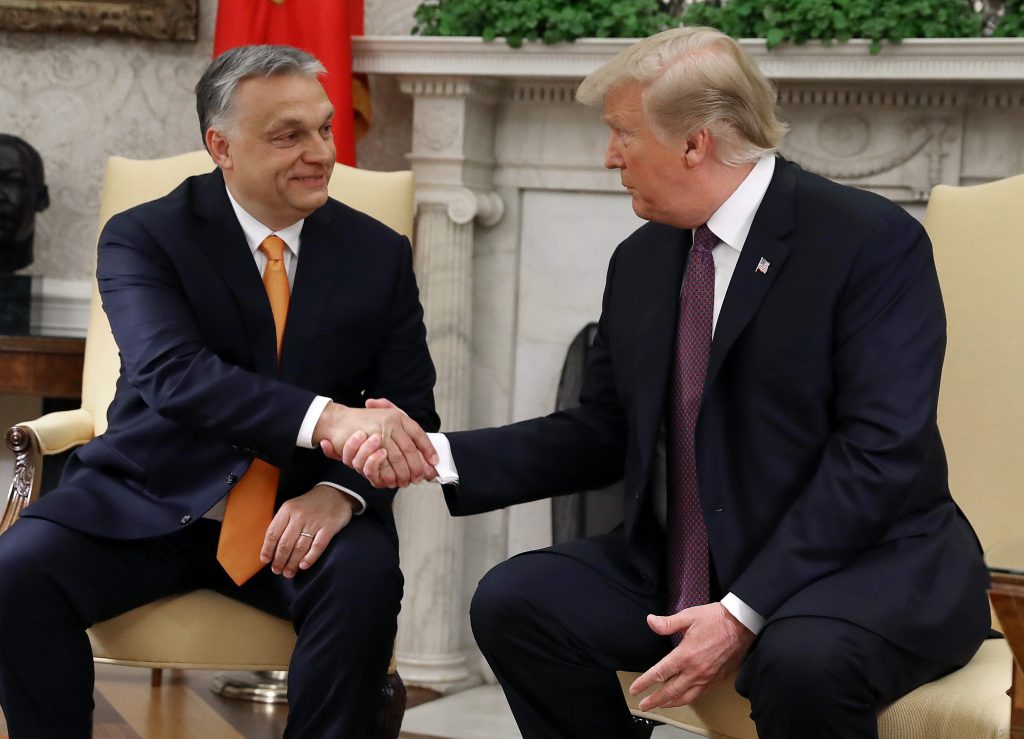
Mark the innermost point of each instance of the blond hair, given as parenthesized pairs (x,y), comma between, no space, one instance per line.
(696,78)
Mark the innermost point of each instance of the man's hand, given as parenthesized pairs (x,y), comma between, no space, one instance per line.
(302,528)
(364,453)
(713,646)
(405,454)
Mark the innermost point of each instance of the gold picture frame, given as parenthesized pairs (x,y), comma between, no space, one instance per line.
(163,20)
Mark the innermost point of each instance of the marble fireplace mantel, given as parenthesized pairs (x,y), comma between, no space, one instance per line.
(959,60)
(517,218)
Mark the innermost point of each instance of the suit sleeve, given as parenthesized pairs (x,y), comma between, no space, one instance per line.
(404,373)
(889,343)
(580,448)
(163,355)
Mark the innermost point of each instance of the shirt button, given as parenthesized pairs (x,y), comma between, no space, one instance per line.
(232,478)
(185,519)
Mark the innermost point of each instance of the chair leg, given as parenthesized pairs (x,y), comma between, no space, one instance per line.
(259,686)
(642,728)
(156,677)
(392,708)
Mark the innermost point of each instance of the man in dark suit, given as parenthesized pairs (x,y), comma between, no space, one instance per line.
(765,377)
(252,314)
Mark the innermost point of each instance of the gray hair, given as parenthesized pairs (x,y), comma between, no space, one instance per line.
(216,89)
(696,78)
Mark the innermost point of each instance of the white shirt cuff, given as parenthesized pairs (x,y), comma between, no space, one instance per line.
(446,472)
(316,408)
(743,613)
(343,489)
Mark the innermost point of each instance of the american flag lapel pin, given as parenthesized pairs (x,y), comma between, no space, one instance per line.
(763,266)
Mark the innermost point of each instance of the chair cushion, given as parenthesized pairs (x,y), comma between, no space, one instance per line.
(201,629)
(971,702)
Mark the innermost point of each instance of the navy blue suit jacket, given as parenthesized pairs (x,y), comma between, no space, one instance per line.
(200,392)
(822,474)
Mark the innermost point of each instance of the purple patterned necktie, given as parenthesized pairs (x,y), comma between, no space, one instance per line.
(687,545)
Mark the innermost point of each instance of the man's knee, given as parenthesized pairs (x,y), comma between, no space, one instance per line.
(26,590)
(505,601)
(359,569)
(16,584)
(23,555)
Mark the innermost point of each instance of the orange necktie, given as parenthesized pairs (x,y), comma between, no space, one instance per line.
(250,506)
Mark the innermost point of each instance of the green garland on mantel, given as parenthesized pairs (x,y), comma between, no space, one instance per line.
(1012,23)
(776,21)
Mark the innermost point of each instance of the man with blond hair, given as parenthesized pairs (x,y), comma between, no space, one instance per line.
(764,377)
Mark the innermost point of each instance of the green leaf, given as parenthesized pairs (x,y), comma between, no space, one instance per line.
(775,37)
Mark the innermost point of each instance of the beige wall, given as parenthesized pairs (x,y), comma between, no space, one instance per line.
(79,99)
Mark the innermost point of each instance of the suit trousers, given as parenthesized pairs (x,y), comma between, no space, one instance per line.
(555,624)
(55,582)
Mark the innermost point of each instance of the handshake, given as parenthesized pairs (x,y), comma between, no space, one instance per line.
(380,442)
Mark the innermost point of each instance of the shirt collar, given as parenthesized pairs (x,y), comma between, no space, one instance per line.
(731,222)
(255,232)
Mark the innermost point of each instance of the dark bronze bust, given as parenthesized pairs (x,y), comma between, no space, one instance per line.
(23,193)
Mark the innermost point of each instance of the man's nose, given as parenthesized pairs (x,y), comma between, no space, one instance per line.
(612,158)
(321,150)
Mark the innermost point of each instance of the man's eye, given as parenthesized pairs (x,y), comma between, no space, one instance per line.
(326,130)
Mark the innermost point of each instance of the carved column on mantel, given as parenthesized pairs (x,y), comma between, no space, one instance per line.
(453,161)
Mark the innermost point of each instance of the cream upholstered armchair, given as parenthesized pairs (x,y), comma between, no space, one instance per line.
(976,234)
(185,631)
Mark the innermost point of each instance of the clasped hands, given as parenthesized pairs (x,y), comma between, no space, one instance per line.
(379,441)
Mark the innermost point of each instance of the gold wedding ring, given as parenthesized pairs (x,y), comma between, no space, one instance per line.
(303,533)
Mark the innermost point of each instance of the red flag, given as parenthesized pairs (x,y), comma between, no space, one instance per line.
(325,29)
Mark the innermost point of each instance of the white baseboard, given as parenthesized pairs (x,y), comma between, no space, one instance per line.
(60,307)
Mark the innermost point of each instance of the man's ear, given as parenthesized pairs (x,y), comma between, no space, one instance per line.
(42,198)
(219,148)
(697,147)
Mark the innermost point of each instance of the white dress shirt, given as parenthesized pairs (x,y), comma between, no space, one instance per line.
(731,224)
(255,233)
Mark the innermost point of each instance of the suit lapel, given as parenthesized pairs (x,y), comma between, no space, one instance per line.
(222,241)
(749,286)
(318,267)
(656,331)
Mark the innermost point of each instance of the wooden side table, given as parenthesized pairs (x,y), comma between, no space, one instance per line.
(1007,595)
(47,366)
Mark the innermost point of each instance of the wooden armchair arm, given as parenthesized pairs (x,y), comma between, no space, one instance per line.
(30,441)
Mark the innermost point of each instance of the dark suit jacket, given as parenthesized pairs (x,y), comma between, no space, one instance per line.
(200,392)
(822,473)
